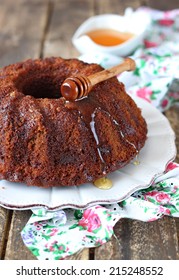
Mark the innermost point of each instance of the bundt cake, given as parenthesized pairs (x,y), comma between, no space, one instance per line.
(48,141)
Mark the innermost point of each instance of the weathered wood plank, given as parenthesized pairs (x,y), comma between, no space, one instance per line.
(177,227)
(115,6)
(4,226)
(173,113)
(173,116)
(163,5)
(21,29)
(22,25)
(137,240)
(81,255)
(16,250)
(66,17)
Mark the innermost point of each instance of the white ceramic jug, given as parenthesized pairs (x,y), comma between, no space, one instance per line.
(132,22)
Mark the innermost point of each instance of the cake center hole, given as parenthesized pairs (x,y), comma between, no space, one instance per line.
(43,86)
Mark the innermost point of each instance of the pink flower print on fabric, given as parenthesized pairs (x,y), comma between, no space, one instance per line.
(162,197)
(152,193)
(99,242)
(150,196)
(150,44)
(175,188)
(171,166)
(159,197)
(164,103)
(164,211)
(174,95)
(166,22)
(38,225)
(144,93)
(54,231)
(56,248)
(51,246)
(90,221)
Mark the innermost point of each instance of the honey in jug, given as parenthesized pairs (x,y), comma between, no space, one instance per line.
(109,37)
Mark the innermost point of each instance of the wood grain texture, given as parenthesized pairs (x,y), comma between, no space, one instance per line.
(16,250)
(137,240)
(65,19)
(81,255)
(115,6)
(23,25)
(5,219)
(173,116)
(162,5)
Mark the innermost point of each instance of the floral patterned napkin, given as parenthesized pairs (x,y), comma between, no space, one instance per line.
(57,234)
(156,77)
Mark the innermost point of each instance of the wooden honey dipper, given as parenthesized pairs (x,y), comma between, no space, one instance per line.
(79,86)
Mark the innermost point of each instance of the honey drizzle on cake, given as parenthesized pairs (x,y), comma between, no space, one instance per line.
(92,125)
(88,115)
(122,134)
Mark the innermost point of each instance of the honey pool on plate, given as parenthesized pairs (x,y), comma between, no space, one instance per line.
(109,37)
(103,183)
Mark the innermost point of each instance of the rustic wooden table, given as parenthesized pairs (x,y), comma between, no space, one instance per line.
(42,28)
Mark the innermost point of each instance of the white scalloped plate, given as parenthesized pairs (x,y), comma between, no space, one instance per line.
(158,151)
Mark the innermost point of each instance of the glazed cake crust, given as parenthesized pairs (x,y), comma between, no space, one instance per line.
(47,141)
